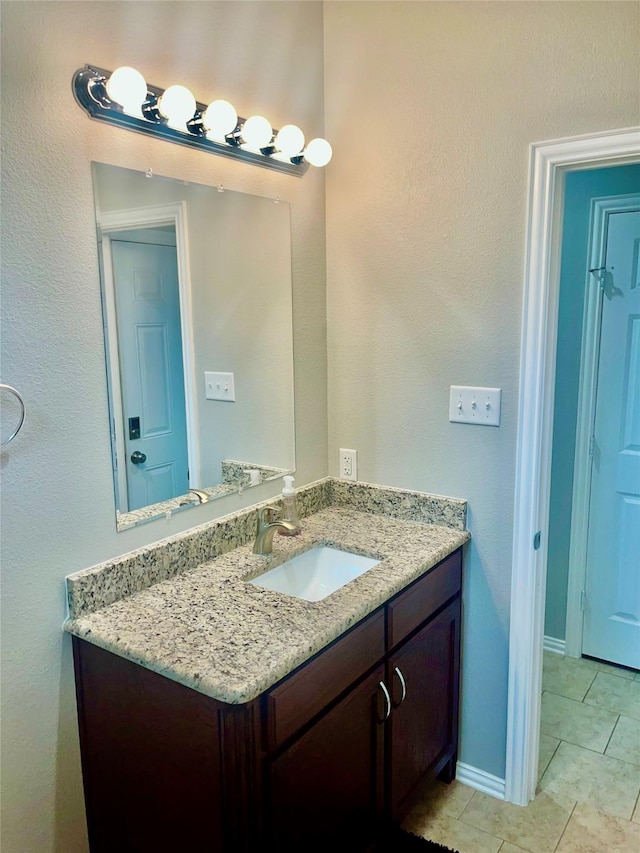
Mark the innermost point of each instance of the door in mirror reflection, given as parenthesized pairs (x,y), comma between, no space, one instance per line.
(154,424)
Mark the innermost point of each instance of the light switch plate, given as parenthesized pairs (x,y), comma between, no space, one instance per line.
(469,405)
(219,386)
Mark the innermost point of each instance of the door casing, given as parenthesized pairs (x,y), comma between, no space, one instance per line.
(549,162)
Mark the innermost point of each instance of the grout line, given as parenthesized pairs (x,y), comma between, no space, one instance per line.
(637,803)
(610,736)
(589,687)
(594,751)
(577,701)
(467,804)
(566,825)
(549,762)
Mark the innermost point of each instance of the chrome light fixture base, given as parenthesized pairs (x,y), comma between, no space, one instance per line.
(90,91)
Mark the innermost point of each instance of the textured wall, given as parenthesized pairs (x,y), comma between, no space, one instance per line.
(432,108)
(57,504)
(580,189)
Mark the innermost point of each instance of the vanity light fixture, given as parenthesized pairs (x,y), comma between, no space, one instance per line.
(124,98)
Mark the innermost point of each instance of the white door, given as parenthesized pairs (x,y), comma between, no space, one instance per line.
(151,371)
(611,629)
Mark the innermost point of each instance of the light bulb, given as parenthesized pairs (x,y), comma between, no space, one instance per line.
(256,132)
(318,152)
(290,140)
(177,105)
(220,118)
(127,87)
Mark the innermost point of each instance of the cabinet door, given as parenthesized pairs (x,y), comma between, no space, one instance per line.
(150,758)
(423,728)
(328,784)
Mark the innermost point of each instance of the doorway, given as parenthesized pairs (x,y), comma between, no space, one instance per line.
(160,233)
(600,225)
(550,162)
(147,301)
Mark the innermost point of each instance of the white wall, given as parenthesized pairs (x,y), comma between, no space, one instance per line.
(431,108)
(57,504)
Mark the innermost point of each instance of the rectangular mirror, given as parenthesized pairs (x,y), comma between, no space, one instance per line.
(196,293)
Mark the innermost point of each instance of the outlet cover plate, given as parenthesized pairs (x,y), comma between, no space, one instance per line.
(219,386)
(348,465)
(471,405)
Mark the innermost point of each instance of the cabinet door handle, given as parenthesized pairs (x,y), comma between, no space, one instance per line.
(387,700)
(403,684)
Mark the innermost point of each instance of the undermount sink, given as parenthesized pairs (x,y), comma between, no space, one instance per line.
(316,573)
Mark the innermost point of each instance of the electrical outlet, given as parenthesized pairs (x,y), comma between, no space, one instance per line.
(349,465)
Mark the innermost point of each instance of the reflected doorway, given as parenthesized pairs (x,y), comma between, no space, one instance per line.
(147,302)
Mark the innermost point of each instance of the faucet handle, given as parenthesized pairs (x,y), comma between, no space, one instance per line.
(266,514)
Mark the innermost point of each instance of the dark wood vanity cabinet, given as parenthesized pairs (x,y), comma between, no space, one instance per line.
(423,728)
(318,757)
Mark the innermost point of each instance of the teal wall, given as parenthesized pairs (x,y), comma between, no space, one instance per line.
(580,189)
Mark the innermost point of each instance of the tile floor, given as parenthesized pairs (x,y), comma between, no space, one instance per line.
(588,777)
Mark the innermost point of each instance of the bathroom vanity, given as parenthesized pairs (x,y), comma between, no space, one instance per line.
(216,715)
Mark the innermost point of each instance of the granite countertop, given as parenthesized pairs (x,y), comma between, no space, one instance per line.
(209,629)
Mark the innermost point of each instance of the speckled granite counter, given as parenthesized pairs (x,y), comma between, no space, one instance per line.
(211,630)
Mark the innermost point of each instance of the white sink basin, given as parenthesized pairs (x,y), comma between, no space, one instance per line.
(316,573)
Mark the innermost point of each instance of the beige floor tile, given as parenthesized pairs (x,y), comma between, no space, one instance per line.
(591,831)
(584,725)
(511,848)
(605,783)
(437,799)
(635,817)
(548,746)
(636,677)
(616,694)
(620,671)
(537,827)
(565,676)
(625,741)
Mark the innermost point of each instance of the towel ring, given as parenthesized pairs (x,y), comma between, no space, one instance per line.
(18,396)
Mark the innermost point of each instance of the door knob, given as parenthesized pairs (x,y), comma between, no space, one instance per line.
(138,458)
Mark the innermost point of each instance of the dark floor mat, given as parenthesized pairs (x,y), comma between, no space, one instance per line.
(396,840)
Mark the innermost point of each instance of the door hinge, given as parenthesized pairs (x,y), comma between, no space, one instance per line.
(601,278)
(583,598)
(592,444)
(536,540)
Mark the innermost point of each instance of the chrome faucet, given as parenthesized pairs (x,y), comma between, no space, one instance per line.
(267,527)
(202,497)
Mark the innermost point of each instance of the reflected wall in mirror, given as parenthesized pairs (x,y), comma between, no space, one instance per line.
(196,290)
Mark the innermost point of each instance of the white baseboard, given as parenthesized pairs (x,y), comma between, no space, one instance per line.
(552,644)
(480,780)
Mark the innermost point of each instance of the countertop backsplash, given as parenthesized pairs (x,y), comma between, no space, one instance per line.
(99,586)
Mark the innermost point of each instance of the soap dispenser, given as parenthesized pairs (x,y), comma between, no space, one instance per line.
(290,512)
